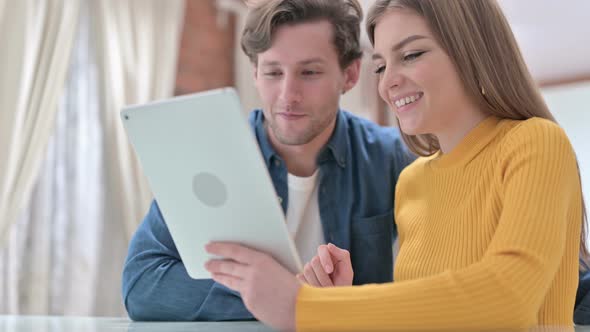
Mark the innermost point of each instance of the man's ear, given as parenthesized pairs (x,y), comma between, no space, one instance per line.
(351,75)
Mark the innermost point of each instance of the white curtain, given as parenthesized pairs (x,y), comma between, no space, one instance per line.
(139,43)
(49,265)
(36,39)
(66,251)
(243,70)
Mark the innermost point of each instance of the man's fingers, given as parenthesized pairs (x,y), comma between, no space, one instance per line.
(325,259)
(233,251)
(320,274)
(310,275)
(226,267)
(228,281)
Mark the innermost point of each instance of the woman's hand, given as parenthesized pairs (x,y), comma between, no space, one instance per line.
(330,267)
(268,290)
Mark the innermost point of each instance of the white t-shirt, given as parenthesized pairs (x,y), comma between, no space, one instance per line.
(303,215)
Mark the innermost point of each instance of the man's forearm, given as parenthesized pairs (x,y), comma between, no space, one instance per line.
(164,291)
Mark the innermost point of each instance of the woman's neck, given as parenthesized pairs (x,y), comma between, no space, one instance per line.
(452,135)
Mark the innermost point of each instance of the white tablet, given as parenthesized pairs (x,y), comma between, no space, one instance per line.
(208,176)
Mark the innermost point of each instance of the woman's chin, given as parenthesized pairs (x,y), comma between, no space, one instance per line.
(410,129)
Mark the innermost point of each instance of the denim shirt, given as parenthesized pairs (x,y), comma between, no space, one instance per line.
(358,170)
(582,305)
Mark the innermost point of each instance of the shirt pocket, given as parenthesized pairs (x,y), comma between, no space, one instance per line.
(372,249)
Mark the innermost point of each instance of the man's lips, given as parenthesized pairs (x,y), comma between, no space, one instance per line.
(291,116)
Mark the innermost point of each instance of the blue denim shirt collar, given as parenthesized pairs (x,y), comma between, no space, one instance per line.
(336,148)
(257,122)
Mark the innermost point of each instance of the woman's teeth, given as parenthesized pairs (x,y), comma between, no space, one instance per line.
(407,100)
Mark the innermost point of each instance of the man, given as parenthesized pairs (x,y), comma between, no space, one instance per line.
(335,173)
(582,306)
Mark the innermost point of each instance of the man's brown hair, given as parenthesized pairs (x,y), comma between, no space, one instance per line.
(266,16)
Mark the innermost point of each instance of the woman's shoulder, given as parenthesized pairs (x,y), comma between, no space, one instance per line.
(537,137)
(534,127)
(416,169)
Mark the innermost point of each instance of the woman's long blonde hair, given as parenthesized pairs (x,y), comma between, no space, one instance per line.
(477,38)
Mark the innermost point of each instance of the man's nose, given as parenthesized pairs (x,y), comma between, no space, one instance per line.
(291,90)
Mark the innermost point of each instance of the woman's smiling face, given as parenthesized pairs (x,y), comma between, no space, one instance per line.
(417,79)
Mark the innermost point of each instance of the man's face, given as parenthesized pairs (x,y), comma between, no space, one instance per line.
(300,81)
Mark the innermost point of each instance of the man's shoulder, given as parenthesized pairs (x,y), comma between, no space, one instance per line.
(376,141)
(365,132)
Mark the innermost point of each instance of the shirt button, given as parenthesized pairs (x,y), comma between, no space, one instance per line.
(280,200)
(277,163)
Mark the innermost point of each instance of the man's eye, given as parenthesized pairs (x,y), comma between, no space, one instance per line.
(310,72)
(380,70)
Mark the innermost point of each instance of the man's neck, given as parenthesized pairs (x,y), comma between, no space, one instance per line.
(301,160)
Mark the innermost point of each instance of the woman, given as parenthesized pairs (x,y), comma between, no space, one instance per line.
(490,220)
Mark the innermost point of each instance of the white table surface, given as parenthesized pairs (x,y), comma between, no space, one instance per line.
(100,324)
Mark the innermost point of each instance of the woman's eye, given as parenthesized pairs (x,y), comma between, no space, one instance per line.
(412,56)
(379,69)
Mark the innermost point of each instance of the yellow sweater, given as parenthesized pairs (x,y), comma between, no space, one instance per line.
(489,239)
